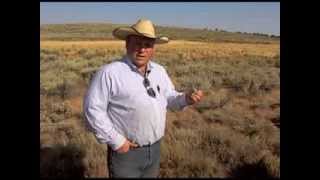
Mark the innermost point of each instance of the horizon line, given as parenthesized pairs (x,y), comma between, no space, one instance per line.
(170,26)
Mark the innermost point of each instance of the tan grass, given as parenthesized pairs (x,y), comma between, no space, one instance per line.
(80,44)
(224,131)
(189,48)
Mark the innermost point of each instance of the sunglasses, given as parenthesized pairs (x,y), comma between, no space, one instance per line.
(150,91)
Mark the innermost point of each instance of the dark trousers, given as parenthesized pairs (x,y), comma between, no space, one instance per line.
(137,162)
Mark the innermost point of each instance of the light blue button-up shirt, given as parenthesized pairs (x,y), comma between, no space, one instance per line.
(118,107)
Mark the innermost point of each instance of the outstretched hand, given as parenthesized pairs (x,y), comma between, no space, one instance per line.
(126,147)
(194,96)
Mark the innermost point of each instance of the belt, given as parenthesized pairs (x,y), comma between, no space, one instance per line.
(148,145)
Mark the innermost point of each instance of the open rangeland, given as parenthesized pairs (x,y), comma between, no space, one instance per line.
(234,132)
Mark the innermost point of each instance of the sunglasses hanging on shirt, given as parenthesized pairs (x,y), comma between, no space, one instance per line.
(146,84)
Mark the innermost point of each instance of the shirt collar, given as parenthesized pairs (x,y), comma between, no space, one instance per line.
(133,67)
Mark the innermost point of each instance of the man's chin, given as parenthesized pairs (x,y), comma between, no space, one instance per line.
(140,62)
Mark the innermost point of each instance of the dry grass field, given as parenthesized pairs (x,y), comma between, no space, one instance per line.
(191,48)
(233,132)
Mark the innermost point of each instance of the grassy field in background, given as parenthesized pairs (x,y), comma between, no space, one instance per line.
(233,132)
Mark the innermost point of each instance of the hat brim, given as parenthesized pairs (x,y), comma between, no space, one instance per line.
(123,32)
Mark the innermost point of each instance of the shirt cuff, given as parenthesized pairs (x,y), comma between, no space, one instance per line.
(183,102)
(117,142)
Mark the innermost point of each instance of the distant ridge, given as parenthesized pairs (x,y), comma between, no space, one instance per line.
(103,31)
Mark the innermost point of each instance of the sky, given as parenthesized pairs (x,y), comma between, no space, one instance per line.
(258,17)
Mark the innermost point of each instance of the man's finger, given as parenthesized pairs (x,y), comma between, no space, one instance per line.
(195,98)
(199,93)
(133,144)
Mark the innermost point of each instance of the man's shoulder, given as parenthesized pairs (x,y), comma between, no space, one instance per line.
(157,66)
(114,66)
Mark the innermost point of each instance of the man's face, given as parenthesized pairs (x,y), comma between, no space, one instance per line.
(140,49)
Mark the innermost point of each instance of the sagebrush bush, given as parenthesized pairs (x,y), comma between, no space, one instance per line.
(219,145)
(54,111)
(61,161)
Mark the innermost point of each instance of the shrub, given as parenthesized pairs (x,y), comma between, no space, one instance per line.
(54,111)
(62,161)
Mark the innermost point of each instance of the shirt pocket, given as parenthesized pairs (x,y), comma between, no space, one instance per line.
(126,93)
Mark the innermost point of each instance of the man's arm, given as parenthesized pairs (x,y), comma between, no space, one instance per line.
(95,111)
(176,100)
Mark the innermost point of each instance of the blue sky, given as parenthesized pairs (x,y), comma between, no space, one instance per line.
(231,16)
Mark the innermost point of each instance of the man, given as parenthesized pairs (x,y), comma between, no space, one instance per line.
(126,103)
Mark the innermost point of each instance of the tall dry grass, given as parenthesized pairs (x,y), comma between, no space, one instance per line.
(229,134)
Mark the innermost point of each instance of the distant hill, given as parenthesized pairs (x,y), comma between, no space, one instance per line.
(103,31)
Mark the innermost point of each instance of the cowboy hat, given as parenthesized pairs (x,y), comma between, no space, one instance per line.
(143,27)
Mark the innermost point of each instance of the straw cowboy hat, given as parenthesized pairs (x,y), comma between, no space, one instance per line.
(143,27)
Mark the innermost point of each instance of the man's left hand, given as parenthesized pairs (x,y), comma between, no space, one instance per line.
(194,96)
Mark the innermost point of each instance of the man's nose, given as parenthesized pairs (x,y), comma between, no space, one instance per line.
(141,48)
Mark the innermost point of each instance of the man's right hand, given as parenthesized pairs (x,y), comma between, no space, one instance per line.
(126,147)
